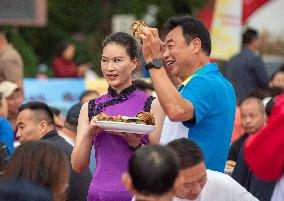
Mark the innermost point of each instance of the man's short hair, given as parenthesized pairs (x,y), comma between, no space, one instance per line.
(257,101)
(44,112)
(153,169)
(249,35)
(192,28)
(72,116)
(86,93)
(188,152)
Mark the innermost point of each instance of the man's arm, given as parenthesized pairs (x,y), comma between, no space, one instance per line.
(175,106)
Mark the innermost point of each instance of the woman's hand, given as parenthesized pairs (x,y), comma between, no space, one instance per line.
(132,139)
(94,128)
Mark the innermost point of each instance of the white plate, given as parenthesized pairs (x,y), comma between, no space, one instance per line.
(126,127)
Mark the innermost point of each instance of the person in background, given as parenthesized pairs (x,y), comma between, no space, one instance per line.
(6,130)
(253,118)
(4,156)
(14,97)
(196,183)
(145,86)
(42,163)
(63,65)
(22,190)
(263,152)
(88,95)
(113,149)
(69,130)
(11,63)
(204,98)
(152,172)
(246,70)
(58,121)
(35,122)
(277,79)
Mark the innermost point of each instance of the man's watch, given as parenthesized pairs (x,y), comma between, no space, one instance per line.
(156,63)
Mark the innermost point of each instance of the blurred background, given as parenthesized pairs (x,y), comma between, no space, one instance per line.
(36,27)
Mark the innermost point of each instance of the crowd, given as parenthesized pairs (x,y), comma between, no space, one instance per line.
(218,135)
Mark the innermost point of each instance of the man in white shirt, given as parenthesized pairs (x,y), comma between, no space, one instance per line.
(195,183)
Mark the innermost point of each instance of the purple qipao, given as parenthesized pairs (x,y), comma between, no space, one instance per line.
(112,151)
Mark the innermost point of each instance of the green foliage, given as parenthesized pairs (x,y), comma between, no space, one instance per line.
(85,23)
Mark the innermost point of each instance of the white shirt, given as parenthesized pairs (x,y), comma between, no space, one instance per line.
(221,187)
(278,193)
(173,130)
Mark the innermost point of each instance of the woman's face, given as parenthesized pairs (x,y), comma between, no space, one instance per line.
(69,52)
(117,66)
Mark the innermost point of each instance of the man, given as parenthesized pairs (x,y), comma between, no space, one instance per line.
(203,108)
(246,70)
(195,183)
(11,64)
(264,151)
(14,97)
(253,118)
(69,130)
(152,172)
(35,122)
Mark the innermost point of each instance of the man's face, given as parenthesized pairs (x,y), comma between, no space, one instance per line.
(178,53)
(191,181)
(29,129)
(14,101)
(252,118)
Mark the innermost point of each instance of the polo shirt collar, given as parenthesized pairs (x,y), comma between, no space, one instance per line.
(205,69)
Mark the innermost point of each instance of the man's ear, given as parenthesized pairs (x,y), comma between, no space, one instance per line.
(43,125)
(197,45)
(127,181)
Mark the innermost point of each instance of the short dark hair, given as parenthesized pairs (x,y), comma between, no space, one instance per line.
(40,107)
(125,40)
(86,93)
(249,35)
(62,47)
(23,190)
(192,28)
(71,121)
(188,152)
(153,169)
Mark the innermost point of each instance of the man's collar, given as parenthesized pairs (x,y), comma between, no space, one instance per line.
(204,69)
(51,133)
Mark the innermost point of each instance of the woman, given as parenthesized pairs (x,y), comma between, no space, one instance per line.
(113,150)
(42,163)
(64,66)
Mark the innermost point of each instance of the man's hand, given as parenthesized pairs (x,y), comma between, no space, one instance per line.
(152,46)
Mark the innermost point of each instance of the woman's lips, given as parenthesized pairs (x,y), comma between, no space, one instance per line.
(112,76)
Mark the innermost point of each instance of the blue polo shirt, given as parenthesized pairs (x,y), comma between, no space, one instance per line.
(214,101)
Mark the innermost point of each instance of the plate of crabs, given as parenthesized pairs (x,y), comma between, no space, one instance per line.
(142,123)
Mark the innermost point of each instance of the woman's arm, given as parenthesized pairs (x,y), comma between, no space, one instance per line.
(159,116)
(86,132)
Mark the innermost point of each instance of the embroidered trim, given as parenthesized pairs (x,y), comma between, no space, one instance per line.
(148,103)
(97,108)
(127,91)
(91,108)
